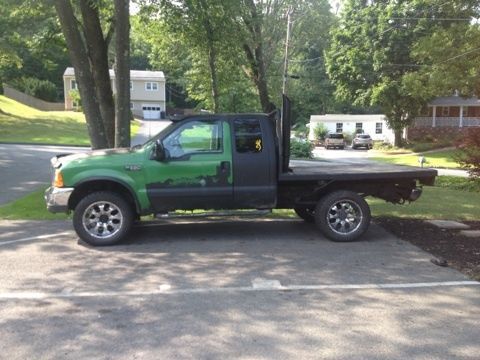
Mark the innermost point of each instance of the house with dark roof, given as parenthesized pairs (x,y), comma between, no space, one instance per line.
(147,92)
(451,111)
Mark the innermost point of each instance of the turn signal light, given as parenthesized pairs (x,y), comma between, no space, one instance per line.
(58,180)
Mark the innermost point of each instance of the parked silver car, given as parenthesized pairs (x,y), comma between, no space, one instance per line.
(334,140)
(362,140)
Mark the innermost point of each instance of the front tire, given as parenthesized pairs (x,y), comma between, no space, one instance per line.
(103,218)
(342,216)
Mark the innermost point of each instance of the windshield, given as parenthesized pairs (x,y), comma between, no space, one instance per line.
(335,136)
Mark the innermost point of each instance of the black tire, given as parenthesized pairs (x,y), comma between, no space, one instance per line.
(342,147)
(103,218)
(307,214)
(354,147)
(354,212)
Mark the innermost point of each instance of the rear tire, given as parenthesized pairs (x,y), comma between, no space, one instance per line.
(103,218)
(342,216)
(307,214)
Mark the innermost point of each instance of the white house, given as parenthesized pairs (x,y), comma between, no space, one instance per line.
(147,92)
(373,125)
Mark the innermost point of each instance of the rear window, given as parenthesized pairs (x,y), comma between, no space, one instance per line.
(364,136)
(335,136)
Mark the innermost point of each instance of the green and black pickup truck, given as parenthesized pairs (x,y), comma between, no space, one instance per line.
(220,162)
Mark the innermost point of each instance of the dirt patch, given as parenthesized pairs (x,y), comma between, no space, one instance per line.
(461,252)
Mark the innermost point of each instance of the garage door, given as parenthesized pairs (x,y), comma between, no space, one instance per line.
(151,111)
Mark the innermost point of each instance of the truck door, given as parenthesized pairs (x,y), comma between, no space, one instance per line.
(197,172)
(254,161)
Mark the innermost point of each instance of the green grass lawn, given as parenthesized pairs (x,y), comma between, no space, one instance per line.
(29,207)
(23,124)
(435,203)
(438,159)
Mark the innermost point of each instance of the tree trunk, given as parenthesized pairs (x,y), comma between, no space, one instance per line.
(398,138)
(213,74)
(86,86)
(256,61)
(122,73)
(98,54)
(212,55)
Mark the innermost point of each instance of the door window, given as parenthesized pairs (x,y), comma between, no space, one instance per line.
(248,136)
(194,137)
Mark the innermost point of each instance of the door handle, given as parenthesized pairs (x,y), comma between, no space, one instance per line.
(225,167)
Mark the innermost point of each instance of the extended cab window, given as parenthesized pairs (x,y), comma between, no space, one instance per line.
(248,136)
(194,137)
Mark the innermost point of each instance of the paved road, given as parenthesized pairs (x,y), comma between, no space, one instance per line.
(148,129)
(360,156)
(264,289)
(24,168)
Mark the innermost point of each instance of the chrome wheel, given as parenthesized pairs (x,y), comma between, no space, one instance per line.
(102,219)
(344,217)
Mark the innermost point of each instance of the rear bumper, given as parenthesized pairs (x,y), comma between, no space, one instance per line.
(57,199)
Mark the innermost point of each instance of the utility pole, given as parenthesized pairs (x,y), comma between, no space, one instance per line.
(287,44)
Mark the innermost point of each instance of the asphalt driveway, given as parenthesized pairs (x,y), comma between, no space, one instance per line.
(203,289)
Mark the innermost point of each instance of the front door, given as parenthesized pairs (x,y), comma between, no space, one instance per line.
(197,173)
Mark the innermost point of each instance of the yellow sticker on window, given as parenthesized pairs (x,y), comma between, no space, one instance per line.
(258,145)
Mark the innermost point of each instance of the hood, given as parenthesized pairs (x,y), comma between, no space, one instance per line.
(62,159)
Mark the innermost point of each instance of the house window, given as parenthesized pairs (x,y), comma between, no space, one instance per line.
(378,128)
(339,127)
(131,106)
(73,85)
(151,86)
(131,85)
(445,111)
(358,128)
(465,111)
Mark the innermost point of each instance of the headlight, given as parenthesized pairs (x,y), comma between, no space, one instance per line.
(58,179)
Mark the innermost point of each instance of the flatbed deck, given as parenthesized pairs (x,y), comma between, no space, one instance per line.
(311,170)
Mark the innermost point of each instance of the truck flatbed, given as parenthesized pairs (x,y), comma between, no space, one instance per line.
(312,170)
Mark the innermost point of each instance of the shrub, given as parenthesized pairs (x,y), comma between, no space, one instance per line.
(458,183)
(76,99)
(469,152)
(320,132)
(301,149)
(348,137)
(41,89)
(383,146)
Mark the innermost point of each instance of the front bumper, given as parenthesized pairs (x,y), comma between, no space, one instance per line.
(57,199)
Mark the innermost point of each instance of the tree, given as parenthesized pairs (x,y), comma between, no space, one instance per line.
(83,73)
(122,73)
(200,23)
(370,55)
(97,51)
(31,43)
(450,54)
(88,44)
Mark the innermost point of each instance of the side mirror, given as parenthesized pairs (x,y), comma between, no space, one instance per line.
(159,151)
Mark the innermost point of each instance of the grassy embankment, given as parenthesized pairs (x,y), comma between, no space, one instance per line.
(22,124)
